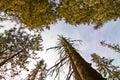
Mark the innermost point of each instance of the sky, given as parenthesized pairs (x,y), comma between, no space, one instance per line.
(90,40)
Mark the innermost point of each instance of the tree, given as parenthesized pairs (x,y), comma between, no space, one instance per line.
(86,12)
(40,13)
(39,72)
(17,46)
(81,69)
(32,13)
(114,47)
(106,68)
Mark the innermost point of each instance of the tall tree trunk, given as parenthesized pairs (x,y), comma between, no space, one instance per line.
(80,66)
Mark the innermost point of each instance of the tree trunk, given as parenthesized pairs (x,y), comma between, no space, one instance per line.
(80,66)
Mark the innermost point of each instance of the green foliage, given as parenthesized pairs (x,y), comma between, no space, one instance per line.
(85,12)
(32,13)
(114,47)
(106,68)
(42,13)
(39,72)
(16,47)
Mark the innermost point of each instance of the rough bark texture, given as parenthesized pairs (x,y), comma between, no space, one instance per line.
(83,69)
(76,73)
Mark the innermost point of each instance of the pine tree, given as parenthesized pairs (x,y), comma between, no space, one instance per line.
(81,69)
(42,13)
(16,47)
(89,12)
(114,47)
(106,68)
(31,13)
(39,72)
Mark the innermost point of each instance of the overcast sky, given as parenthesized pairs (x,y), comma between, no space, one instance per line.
(91,38)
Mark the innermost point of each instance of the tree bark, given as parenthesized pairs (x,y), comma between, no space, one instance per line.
(80,66)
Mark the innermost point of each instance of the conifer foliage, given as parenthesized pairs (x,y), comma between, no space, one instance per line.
(114,47)
(78,67)
(106,68)
(42,13)
(39,72)
(16,47)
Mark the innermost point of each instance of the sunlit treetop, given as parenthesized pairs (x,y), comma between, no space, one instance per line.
(39,13)
(32,13)
(86,12)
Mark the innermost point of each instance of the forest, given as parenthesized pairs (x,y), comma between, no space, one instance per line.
(59,40)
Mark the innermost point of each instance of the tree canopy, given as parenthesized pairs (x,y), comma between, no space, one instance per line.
(42,13)
(31,13)
(16,48)
(85,12)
